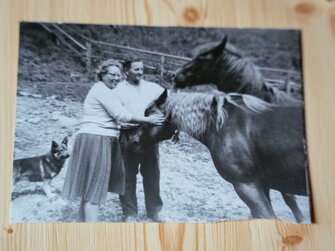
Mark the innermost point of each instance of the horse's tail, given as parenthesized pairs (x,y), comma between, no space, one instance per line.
(245,102)
(280,97)
(248,102)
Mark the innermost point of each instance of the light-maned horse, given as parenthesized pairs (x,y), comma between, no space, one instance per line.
(254,145)
(230,72)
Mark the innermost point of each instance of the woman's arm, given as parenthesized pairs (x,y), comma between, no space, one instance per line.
(152,119)
(114,107)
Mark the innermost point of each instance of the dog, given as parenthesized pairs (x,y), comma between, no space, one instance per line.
(42,168)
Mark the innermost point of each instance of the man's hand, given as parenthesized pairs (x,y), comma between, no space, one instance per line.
(175,137)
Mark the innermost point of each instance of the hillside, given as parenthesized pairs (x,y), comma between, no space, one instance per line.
(49,67)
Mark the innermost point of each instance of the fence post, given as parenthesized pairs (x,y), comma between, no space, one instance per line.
(88,56)
(162,68)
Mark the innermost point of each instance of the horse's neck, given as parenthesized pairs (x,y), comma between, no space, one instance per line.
(208,137)
(251,81)
(227,82)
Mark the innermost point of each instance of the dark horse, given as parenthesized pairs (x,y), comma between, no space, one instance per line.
(254,145)
(230,72)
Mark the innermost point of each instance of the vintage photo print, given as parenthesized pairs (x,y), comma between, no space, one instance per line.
(159,124)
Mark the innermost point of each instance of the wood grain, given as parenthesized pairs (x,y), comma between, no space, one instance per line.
(317,21)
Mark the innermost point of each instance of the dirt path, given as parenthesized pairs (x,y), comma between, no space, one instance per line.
(191,188)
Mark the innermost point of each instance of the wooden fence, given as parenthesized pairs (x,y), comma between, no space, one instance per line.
(93,51)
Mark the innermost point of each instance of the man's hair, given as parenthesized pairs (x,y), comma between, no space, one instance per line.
(103,67)
(127,63)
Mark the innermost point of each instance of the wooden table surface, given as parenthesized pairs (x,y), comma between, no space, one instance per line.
(317,21)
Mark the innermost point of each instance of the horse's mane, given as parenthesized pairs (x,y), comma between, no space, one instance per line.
(241,70)
(195,112)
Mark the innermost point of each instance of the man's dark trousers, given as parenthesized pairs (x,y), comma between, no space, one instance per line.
(147,161)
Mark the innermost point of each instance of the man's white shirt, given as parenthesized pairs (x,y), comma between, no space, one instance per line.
(136,98)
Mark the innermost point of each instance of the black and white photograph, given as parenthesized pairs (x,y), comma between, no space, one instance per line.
(119,123)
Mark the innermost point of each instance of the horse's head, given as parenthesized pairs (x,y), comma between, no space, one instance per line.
(201,70)
(148,134)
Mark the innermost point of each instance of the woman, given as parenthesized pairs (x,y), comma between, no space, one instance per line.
(96,164)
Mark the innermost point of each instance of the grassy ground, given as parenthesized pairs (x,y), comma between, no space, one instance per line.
(191,188)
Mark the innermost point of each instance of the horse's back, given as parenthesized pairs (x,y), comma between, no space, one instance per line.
(279,149)
(269,146)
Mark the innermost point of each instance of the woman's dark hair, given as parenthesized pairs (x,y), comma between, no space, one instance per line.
(103,67)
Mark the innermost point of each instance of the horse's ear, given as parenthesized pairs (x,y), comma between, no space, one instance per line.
(216,51)
(214,108)
(224,41)
(214,104)
(220,47)
(162,98)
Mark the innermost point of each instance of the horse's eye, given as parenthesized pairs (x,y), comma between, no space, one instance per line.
(189,73)
(205,57)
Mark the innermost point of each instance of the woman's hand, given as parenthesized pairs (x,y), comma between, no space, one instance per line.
(156,119)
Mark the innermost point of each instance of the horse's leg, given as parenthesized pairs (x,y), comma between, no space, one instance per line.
(256,197)
(291,201)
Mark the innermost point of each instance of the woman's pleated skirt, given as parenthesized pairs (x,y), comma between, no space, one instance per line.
(95,168)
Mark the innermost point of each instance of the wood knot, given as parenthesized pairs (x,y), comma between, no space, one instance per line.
(305,8)
(191,14)
(10,231)
(332,21)
(291,239)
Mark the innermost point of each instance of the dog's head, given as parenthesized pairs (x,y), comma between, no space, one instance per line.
(60,151)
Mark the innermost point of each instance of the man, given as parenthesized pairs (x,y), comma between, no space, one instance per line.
(136,94)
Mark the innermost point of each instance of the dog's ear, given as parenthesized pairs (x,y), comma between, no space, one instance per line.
(54,145)
(64,141)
